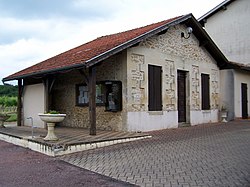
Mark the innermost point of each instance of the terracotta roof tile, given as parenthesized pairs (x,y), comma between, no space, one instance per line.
(83,53)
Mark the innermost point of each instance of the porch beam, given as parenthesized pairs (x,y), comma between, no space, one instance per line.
(51,85)
(92,100)
(86,79)
(48,83)
(19,103)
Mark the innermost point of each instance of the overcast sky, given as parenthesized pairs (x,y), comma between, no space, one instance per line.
(34,30)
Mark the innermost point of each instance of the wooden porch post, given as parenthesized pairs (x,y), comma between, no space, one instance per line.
(19,103)
(92,100)
(46,94)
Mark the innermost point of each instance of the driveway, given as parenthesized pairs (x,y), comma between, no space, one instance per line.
(204,155)
(25,168)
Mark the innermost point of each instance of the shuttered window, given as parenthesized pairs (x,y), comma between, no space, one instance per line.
(155,88)
(205,92)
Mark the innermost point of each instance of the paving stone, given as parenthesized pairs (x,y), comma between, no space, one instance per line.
(203,155)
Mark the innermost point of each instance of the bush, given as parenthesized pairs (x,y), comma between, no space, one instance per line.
(2,101)
(12,118)
(53,112)
(8,101)
(8,90)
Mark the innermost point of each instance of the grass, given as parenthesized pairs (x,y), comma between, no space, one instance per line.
(12,118)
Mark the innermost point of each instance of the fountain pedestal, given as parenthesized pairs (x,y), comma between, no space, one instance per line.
(51,119)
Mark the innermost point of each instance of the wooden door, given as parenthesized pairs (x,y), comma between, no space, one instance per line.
(244,101)
(181,89)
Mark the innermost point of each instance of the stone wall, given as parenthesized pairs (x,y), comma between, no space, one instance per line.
(172,53)
(169,85)
(137,83)
(171,43)
(64,96)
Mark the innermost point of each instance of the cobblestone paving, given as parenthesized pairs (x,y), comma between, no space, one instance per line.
(205,155)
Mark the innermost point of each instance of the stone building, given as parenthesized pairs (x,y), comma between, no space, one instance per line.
(228,25)
(158,76)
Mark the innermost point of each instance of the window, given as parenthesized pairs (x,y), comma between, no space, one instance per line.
(205,92)
(113,96)
(108,94)
(83,97)
(155,88)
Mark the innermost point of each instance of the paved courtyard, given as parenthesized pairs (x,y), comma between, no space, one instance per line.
(21,167)
(204,155)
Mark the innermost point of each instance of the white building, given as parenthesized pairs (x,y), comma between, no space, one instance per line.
(228,25)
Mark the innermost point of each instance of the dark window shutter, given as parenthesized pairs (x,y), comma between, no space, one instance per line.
(155,88)
(205,92)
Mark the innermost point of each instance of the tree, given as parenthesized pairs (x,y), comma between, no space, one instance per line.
(8,90)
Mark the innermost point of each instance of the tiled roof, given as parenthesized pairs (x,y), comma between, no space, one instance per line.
(82,54)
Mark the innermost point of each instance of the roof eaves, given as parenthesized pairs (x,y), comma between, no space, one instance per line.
(215,9)
(240,66)
(220,57)
(245,68)
(44,72)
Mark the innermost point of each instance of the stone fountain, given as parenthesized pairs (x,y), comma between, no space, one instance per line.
(51,119)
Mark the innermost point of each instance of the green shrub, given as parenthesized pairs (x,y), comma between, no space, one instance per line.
(2,101)
(53,112)
(8,90)
(8,101)
(12,118)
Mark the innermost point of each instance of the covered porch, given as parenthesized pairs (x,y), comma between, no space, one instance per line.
(91,97)
(70,139)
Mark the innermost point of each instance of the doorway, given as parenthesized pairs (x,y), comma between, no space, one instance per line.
(244,101)
(181,89)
